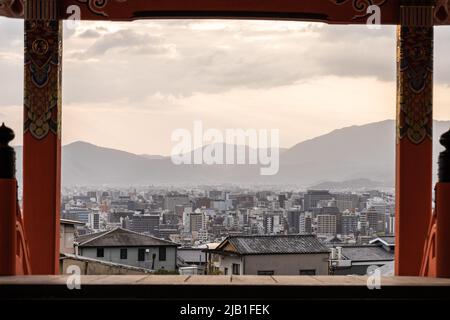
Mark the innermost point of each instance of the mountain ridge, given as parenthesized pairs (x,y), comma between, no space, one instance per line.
(346,154)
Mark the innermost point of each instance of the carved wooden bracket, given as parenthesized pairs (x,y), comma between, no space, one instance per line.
(441,12)
(12,8)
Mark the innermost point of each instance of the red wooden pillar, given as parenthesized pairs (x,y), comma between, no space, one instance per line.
(414,136)
(42,134)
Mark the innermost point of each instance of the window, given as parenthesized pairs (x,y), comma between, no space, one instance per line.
(266,273)
(162,253)
(226,271)
(141,254)
(100,252)
(236,269)
(123,254)
(307,272)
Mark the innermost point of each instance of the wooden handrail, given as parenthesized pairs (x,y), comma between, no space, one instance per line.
(14,253)
(443,211)
(436,261)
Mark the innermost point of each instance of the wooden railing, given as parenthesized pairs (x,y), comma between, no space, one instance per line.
(204,288)
(14,254)
(8,203)
(436,262)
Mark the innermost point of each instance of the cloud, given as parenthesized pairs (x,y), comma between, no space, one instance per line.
(127,40)
(89,34)
(130,62)
(215,56)
(11,78)
(11,32)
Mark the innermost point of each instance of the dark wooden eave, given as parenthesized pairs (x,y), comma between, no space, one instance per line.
(328,11)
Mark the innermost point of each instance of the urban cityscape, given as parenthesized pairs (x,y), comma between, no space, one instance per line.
(191,227)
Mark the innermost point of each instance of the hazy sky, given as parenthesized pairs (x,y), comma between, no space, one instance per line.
(129,85)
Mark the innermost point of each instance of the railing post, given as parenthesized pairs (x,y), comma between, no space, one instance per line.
(443,211)
(8,203)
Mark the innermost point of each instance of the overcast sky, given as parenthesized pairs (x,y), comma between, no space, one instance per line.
(129,85)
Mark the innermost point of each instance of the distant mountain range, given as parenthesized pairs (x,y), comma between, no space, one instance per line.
(355,184)
(344,158)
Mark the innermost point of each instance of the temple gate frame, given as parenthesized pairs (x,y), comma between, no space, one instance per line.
(42,99)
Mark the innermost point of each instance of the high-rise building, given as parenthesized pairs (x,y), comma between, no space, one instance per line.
(281,200)
(170,218)
(376,219)
(390,230)
(202,203)
(243,217)
(273,222)
(306,223)
(77,214)
(268,223)
(293,217)
(173,199)
(187,220)
(244,201)
(313,197)
(363,224)
(216,195)
(199,225)
(144,223)
(92,195)
(346,201)
(115,216)
(326,225)
(94,220)
(196,221)
(167,230)
(349,223)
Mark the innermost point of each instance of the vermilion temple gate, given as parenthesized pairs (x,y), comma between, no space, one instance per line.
(42,105)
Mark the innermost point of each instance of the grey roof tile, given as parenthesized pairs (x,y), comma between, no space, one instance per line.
(121,238)
(367,253)
(277,244)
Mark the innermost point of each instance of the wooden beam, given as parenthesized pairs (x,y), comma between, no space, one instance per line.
(42,140)
(328,11)
(414,138)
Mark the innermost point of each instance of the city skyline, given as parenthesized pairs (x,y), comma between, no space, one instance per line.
(327,229)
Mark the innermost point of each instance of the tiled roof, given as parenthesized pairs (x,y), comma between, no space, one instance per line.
(86,237)
(367,253)
(121,238)
(71,222)
(277,244)
(388,240)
